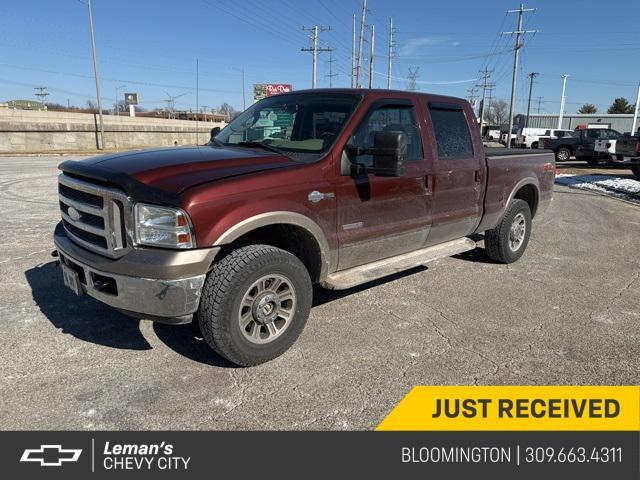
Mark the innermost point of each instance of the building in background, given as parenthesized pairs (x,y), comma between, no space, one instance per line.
(621,122)
(24,105)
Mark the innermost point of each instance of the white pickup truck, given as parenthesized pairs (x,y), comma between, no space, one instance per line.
(550,134)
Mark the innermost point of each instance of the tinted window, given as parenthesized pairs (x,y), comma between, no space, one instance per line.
(389,118)
(611,134)
(548,133)
(452,133)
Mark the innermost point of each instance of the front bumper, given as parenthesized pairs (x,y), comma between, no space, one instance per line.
(157,297)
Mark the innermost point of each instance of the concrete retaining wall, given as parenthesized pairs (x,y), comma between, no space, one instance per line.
(42,131)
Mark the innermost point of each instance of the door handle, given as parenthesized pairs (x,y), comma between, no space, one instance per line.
(428,181)
(478,176)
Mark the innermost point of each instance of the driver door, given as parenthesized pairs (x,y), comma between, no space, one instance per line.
(379,217)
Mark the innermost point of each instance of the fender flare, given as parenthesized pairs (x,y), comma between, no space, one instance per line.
(247,225)
(523,183)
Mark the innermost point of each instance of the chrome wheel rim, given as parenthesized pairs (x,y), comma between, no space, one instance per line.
(267,308)
(517,232)
(562,155)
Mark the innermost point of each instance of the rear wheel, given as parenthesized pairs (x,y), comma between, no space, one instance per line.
(636,171)
(507,242)
(534,145)
(255,303)
(563,154)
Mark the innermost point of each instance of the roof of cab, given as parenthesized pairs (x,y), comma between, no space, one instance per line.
(378,92)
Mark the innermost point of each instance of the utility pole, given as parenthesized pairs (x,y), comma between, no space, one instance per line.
(562,100)
(390,53)
(412,77)
(197,100)
(41,93)
(486,73)
(472,97)
(315,50)
(116,112)
(331,74)
(353,52)
(539,103)
(635,112)
(516,51)
(96,75)
(531,76)
(359,62)
(372,55)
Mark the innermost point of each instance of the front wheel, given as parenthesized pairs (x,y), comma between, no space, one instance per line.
(255,303)
(508,240)
(636,171)
(534,145)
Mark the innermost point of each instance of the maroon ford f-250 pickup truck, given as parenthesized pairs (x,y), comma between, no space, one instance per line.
(335,187)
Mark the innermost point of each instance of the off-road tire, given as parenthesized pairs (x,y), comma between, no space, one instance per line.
(226,284)
(496,241)
(563,154)
(636,171)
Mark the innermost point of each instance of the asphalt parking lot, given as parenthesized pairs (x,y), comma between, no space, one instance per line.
(567,313)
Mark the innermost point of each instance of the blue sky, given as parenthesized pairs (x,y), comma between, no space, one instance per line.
(151,48)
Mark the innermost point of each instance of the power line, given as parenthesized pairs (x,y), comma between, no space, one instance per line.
(330,75)
(41,93)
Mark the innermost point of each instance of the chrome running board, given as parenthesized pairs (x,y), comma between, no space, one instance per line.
(388,266)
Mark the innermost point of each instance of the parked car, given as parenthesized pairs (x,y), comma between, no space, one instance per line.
(582,145)
(550,134)
(336,187)
(627,152)
(528,137)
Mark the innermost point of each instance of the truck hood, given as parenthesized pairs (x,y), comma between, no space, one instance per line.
(173,170)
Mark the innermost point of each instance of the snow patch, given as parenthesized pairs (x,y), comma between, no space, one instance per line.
(624,188)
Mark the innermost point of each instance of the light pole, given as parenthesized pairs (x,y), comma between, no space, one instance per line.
(116,111)
(564,88)
(244,101)
(95,73)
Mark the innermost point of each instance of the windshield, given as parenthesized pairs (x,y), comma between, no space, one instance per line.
(303,126)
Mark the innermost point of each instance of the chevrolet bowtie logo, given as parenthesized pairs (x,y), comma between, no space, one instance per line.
(50,455)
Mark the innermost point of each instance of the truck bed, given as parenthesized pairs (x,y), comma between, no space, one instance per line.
(502,152)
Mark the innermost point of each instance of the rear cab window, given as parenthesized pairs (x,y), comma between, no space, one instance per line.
(451,130)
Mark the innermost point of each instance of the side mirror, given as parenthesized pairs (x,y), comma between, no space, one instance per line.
(389,153)
(214,131)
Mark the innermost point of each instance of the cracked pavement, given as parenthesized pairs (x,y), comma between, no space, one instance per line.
(567,313)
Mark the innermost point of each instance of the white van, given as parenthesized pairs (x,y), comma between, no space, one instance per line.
(528,137)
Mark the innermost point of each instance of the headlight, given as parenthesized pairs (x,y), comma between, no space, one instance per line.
(163,227)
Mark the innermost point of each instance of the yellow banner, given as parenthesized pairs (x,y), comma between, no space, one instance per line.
(478,408)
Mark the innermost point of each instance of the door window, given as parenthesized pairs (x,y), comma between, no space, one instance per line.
(388,118)
(452,133)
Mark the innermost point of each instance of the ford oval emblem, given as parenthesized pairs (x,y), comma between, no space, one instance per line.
(73,214)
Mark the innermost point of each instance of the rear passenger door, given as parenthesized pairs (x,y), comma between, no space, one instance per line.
(459,172)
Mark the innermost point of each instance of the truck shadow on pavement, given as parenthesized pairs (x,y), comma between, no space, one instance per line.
(91,321)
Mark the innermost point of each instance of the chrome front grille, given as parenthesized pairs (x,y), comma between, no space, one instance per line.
(96,217)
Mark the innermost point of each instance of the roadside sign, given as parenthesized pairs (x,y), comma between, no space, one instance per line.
(263,90)
(131,98)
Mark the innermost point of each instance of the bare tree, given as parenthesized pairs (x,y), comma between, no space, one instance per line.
(227,110)
(497,112)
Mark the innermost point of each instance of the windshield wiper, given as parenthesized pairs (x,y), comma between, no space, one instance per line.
(264,146)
